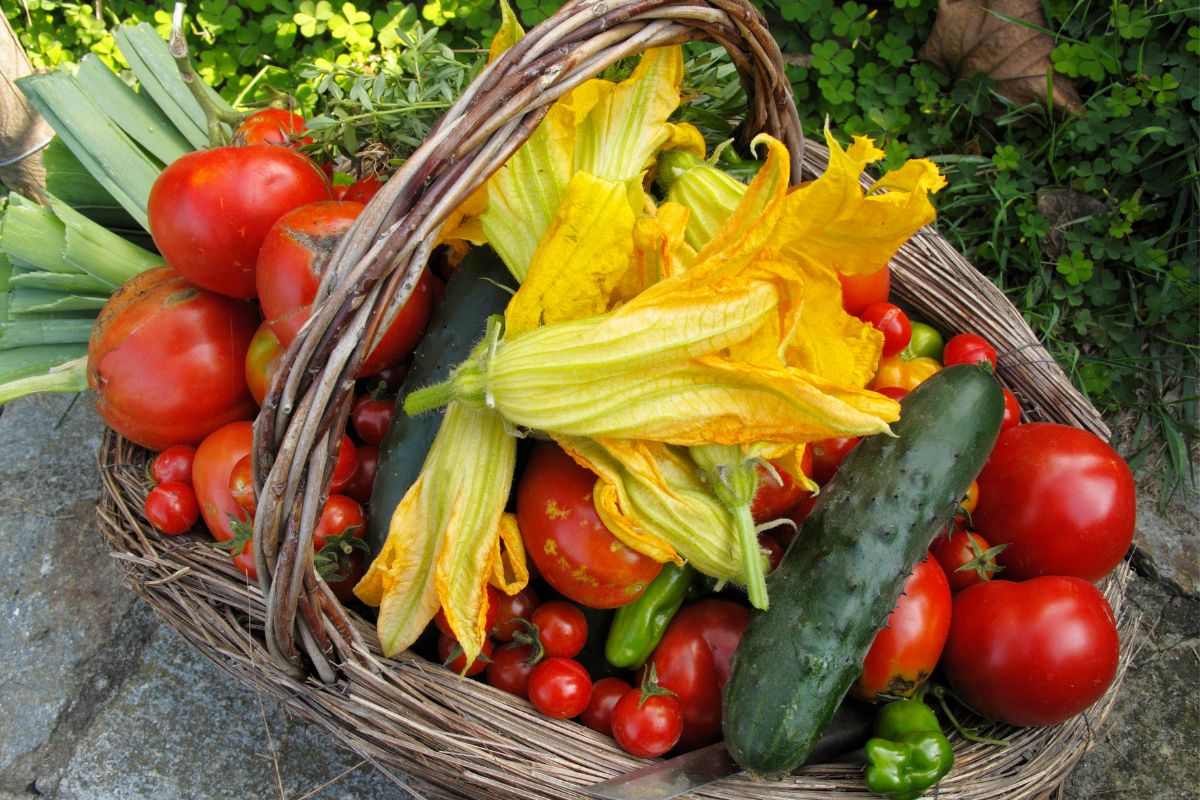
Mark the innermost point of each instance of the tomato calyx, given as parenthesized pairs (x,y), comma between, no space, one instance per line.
(456,653)
(330,560)
(968,732)
(243,534)
(526,634)
(983,563)
(651,687)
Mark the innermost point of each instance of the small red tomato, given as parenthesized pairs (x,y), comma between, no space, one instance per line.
(371,417)
(241,485)
(599,712)
(454,659)
(510,669)
(968,348)
(173,465)
(892,322)
(344,468)
(827,456)
(647,725)
(172,508)
(897,393)
(777,491)
(510,610)
(340,516)
(908,647)
(363,189)
(562,628)
(560,688)
(363,481)
(271,126)
(262,362)
(966,558)
(1012,411)
(859,291)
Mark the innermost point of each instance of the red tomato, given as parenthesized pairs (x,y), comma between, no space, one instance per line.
(346,465)
(893,323)
(363,189)
(1061,498)
(262,362)
(897,393)
(1012,411)
(173,465)
(270,126)
(448,647)
(171,508)
(968,348)
(510,609)
(908,647)
(692,660)
(599,712)
(166,360)
(560,688)
(226,520)
(210,210)
(1031,653)
(562,628)
(564,536)
(371,418)
(768,542)
(859,291)
(966,558)
(647,725)
(777,491)
(827,456)
(363,481)
(510,669)
(241,484)
(339,516)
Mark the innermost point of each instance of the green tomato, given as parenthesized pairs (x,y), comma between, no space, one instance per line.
(926,342)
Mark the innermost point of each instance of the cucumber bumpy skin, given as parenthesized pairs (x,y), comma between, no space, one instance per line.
(843,573)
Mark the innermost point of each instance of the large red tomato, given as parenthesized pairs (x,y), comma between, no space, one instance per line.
(906,650)
(225,519)
(1031,653)
(210,210)
(564,536)
(290,266)
(166,360)
(1062,499)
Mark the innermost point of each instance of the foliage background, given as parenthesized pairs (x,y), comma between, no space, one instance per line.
(1087,221)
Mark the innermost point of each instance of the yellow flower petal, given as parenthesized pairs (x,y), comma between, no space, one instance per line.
(509,33)
(510,573)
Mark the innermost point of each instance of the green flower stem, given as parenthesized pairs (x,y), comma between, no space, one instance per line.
(733,479)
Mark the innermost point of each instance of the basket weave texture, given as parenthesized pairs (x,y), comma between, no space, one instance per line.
(292,640)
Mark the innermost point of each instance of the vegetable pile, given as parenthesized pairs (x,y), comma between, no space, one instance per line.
(666,459)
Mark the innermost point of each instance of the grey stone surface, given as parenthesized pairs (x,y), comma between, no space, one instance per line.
(100,700)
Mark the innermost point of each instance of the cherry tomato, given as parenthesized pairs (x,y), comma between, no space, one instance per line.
(339,516)
(562,628)
(210,210)
(166,360)
(1061,498)
(171,508)
(345,466)
(510,609)
(892,322)
(560,688)
(968,348)
(907,375)
(363,481)
(827,456)
(227,521)
(241,484)
(510,669)
(599,712)
(271,126)
(173,465)
(647,725)
(340,552)
(363,189)
(1036,652)
(1012,411)
(448,646)
(925,342)
(777,491)
(262,362)
(565,538)
(908,647)
(859,291)
(371,418)
(897,393)
(966,558)
(692,660)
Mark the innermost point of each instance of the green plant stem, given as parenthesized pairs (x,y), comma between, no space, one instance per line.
(70,376)
(213,113)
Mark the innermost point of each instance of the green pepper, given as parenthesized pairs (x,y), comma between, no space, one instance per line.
(909,753)
(637,627)
(926,342)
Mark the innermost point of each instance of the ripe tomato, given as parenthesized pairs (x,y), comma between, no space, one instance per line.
(226,520)
(966,558)
(510,669)
(173,465)
(166,360)
(564,536)
(562,628)
(363,481)
(339,516)
(599,712)
(270,126)
(371,417)
(1061,498)
(448,646)
(647,725)
(210,210)
(363,189)
(1012,411)
(1031,653)
(692,660)
(262,361)
(827,456)
(560,688)
(968,348)
(241,484)
(777,491)
(859,291)
(910,643)
(346,465)
(171,508)
(892,322)
(510,609)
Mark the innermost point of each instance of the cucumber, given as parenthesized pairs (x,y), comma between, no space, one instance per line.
(843,573)
(474,292)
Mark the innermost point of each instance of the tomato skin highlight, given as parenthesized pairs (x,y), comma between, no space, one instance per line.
(1061,498)
(1036,652)
(166,360)
(210,210)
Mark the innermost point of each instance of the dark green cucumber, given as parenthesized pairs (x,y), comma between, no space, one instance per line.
(474,292)
(843,573)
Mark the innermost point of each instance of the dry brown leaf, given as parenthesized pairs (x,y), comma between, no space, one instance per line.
(968,37)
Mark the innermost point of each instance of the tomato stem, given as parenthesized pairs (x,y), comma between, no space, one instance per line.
(183,62)
(967,733)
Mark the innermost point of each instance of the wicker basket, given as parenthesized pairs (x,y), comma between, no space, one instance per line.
(293,641)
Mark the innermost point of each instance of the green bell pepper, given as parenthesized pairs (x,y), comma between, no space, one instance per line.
(909,753)
(638,627)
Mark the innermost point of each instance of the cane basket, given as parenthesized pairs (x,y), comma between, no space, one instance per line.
(290,639)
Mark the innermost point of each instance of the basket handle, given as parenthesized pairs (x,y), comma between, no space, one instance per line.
(376,267)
